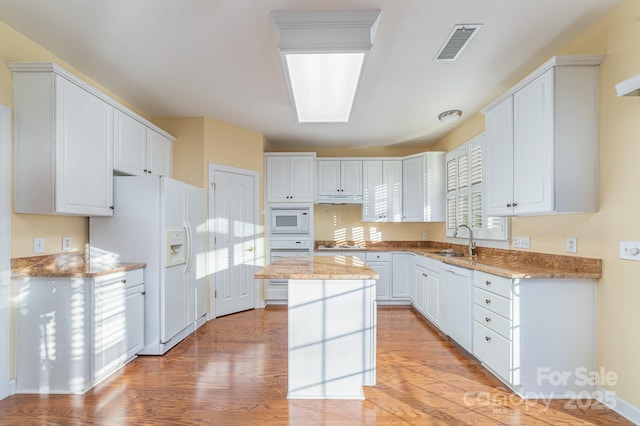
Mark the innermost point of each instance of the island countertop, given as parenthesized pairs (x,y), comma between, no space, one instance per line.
(318,268)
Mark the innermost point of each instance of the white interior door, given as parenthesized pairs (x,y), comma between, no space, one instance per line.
(235,232)
(5,247)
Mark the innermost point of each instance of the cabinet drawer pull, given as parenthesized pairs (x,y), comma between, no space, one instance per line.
(487,301)
(487,319)
(124,281)
(487,338)
(487,282)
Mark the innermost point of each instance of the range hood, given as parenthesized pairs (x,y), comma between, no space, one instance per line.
(339,199)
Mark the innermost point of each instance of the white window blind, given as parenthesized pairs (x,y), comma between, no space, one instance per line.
(465,189)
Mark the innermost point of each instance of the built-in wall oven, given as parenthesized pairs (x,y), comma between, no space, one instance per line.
(277,290)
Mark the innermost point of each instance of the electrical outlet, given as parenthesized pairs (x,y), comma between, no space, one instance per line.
(630,250)
(66,243)
(38,245)
(572,244)
(521,242)
(425,236)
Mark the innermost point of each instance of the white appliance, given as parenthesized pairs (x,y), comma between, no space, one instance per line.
(290,220)
(456,304)
(278,290)
(162,222)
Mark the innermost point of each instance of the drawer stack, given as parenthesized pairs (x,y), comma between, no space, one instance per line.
(493,331)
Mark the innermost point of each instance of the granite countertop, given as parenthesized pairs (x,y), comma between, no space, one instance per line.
(66,265)
(506,263)
(318,267)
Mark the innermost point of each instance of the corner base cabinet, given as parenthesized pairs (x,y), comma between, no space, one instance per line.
(536,335)
(73,332)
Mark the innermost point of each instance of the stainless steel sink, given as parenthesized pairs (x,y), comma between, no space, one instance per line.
(448,254)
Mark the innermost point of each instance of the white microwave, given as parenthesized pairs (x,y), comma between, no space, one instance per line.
(290,220)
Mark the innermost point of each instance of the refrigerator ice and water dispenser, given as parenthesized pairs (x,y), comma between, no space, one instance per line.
(176,247)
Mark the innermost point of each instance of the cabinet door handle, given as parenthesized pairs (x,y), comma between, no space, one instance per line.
(124,281)
(487,319)
(508,204)
(515,204)
(143,293)
(487,301)
(487,338)
(487,282)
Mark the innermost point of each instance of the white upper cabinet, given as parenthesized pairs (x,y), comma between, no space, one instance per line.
(138,149)
(289,177)
(130,145)
(63,145)
(423,187)
(542,141)
(382,190)
(66,135)
(159,154)
(339,177)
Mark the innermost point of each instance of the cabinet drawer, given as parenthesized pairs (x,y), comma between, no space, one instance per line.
(378,256)
(493,283)
(493,321)
(135,277)
(492,302)
(493,350)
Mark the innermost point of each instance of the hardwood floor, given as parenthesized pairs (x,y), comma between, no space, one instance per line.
(232,371)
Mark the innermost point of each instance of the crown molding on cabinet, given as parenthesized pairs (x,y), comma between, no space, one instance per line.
(563,60)
(53,67)
(629,87)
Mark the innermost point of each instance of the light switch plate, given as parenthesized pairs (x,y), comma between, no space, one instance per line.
(521,242)
(38,245)
(572,245)
(630,250)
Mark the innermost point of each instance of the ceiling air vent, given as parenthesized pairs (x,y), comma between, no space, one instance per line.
(457,40)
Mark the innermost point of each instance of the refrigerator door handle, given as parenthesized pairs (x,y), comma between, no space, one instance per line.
(187,229)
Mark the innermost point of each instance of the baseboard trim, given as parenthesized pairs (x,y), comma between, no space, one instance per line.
(619,405)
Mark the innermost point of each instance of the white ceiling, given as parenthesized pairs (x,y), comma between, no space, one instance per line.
(218,58)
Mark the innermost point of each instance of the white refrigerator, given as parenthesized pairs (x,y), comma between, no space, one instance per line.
(162,222)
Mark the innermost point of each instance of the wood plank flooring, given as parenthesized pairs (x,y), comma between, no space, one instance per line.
(233,371)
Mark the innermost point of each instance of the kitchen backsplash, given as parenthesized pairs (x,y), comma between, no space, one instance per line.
(342,222)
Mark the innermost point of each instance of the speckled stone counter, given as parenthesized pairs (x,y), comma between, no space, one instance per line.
(318,268)
(66,265)
(505,263)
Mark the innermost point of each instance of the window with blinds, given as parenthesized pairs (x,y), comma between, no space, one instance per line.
(465,188)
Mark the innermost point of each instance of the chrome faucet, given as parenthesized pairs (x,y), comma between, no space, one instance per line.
(472,244)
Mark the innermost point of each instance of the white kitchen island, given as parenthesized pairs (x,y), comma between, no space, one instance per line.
(332,325)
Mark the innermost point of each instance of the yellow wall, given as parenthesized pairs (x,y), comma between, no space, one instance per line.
(618,348)
(188,148)
(14,47)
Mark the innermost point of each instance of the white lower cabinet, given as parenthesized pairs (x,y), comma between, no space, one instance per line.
(402,270)
(118,320)
(72,332)
(427,300)
(381,263)
(531,332)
